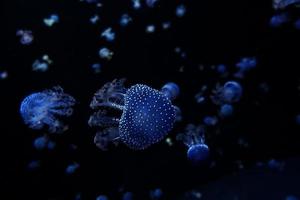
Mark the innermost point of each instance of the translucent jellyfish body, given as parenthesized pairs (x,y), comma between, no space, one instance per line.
(147,115)
(26,36)
(230,92)
(44,109)
(193,138)
(282,4)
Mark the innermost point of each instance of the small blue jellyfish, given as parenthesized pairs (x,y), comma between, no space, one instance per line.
(170,90)
(230,92)
(127,196)
(147,115)
(102,197)
(193,138)
(245,65)
(26,36)
(210,120)
(150,28)
(42,109)
(136,4)
(96,67)
(125,20)
(72,168)
(50,21)
(226,110)
(282,4)
(156,194)
(94,19)
(279,19)
(180,10)
(166,25)
(108,34)
(105,53)
(43,142)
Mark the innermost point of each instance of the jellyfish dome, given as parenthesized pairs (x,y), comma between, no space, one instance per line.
(147,114)
(147,118)
(198,153)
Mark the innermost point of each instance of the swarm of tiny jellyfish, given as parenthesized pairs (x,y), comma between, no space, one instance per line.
(147,114)
(194,139)
(44,108)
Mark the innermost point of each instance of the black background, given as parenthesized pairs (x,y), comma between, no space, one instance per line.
(212,32)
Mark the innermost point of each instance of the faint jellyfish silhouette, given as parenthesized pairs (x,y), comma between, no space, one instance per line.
(94,19)
(33,165)
(45,109)
(108,34)
(105,53)
(43,142)
(194,139)
(230,92)
(279,19)
(50,21)
(180,10)
(3,75)
(210,120)
(245,65)
(72,168)
(147,115)
(26,36)
(282,4)
(291,197)
(226,110)
(156,194)
(127,196)
(125,20)
(151,3)
(102,197)
(297,24)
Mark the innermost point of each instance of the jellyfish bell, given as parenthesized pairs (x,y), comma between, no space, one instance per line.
(198,153)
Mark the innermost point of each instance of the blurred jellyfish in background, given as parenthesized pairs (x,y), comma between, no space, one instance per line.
(297,24)
(127,196)
(136,4)
(108,34)
(150,28)
(180,10)
(105,53)
(102,197)
(298,119)
(26,36)
(96,68)
(282,4)
(276,165)
(125,20)
(166,25)
(245,65)
(210,120)
(43,142)
(33,165)
(192,195)
(151,3)
(45,108)
(147,115)
(291,197)
(50,21)
(94,19)
(156,194)
(200,98)
(226,110)
(230,92)
(72,168)
(194,139)
(278,20)
(3,75)
(42,65)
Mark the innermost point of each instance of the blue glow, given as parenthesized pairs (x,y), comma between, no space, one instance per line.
(40,109)
(108,34)
(180,10)
(26,36)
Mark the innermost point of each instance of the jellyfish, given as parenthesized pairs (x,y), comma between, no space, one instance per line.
(151,3)
(226,110)
(125,20)
(105,53)
(279,19)
(150,28)
(108,34)
(230,92)
(156,194)
(26,36)
(180,11)
(43,142)
(282,4)
(127,196)
(45,108)
(147,115)
(72,168)
(244,65)
(94,19)
(102,197)
(50,21)
(194,139)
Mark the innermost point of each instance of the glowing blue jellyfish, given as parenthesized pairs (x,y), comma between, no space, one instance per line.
(72,168)
(210,120)
(147,115)
(230,92)
(43,142)
(125,20)
(26,36)
(180,10)
(94,19)
(96,67)
(282,4)
(105,53)
(194,139)
(3,75)
(166,25)
(226,110)
(150,28)
(156,194)
(136,4)
(279,19)
(127,196)
(151,3)
(43,109)
(42,65)
(291,197)
(102,197)
(245,65)
(50,21)
(108,34)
